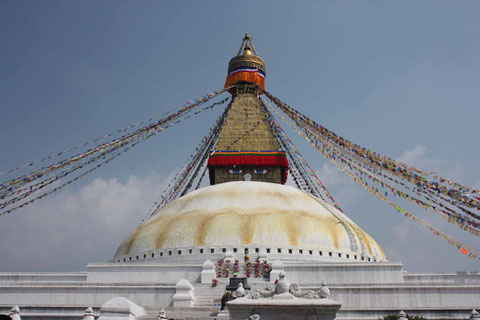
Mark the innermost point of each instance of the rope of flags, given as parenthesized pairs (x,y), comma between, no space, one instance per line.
(456,214)
(463,248)
(15,183)
(462,195)
(360,172)
(21,188)
(185,177)
(133,125)
(102,152)
(380,175)
(450,215)
(70,181)
(205,169)
(299,162)
(302,175)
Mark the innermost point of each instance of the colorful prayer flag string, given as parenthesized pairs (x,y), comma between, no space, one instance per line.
(303,169)
(185,177)
(16,193)
(471,253)
(461,194)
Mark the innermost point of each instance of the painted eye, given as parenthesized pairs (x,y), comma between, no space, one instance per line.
(260,171)
(235,171)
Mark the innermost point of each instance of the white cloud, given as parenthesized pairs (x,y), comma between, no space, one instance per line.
(412,156)
(72,228)
(420,157)
(341,186)
(332,176)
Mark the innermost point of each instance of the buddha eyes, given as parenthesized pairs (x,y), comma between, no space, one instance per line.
(235,171)
(254,171)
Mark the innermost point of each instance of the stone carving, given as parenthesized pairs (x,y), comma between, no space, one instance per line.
(15,313)
(254,317)
(88,314)
(268,291)
(282,286)
(324,292)
(299,293)
(255,294)
(240,292)
(474,314)
(402,315)
(287,290)
(161,315)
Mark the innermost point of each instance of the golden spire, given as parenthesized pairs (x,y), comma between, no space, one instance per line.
(247,46)
(247,147)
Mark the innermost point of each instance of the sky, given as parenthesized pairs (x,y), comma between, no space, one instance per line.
(398,77)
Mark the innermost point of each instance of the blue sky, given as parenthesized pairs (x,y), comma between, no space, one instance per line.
(398,77)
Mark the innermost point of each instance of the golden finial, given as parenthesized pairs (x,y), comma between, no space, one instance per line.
(247,46)
(246,67)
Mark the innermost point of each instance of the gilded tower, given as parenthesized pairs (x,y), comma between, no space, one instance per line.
(247,148)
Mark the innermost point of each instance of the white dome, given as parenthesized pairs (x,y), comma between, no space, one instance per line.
(237,215)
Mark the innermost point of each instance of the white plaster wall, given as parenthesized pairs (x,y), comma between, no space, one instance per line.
(12,277)
(348,273)
(471,277)
(83,295)
(49,313)
(142,273)
(365,289)
(408,297)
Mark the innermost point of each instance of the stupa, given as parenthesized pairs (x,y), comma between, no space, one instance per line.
(247,224)
(248,208)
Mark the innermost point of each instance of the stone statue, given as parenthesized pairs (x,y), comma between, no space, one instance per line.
(474,314)
(240,292)
(284,290)
(282,286)
(268,291)
(402,316)
(88,314)
(254,317)
(162,315)
(324,292)
(15,313)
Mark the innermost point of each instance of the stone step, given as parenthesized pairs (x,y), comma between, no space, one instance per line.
(206,294)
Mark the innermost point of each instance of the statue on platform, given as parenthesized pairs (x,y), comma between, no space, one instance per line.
(284,290)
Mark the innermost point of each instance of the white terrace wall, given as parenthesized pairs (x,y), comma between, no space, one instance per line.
(12,277)
(348,273)
(139,273)
(366,290)
(84,295)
